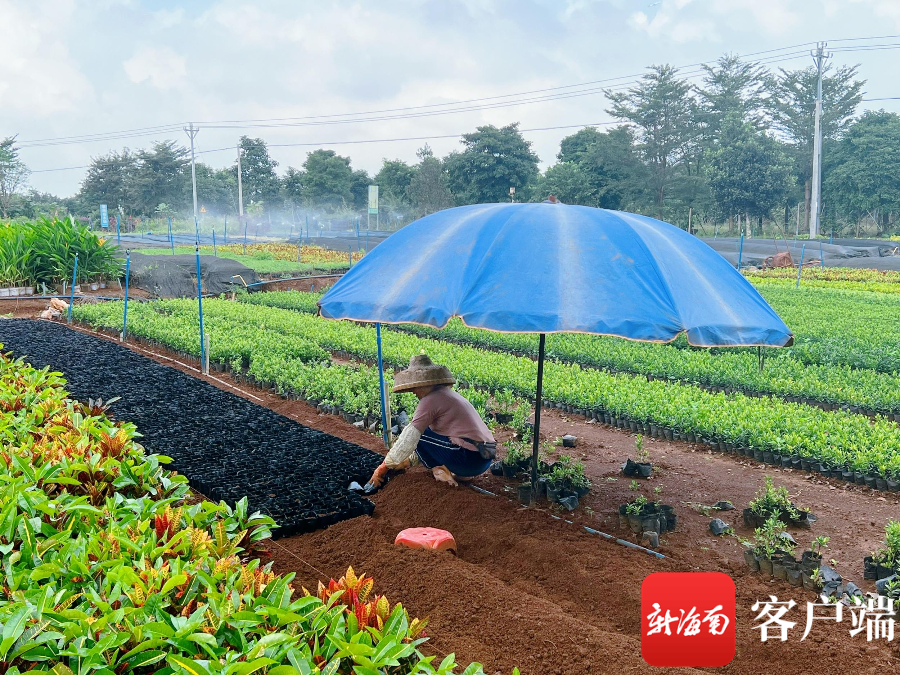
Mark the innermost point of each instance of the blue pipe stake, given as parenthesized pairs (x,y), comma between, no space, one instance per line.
(299,245)
(200,306)
(307,228)
(385,430)
(740,252)
(171,238)
(72,290)
(357,234)
(800,266)
(831,241)
(367,240)
(350,256)
(821,256)
(225,237)
(118,234)
(125,315)
(245,237)
(215,252)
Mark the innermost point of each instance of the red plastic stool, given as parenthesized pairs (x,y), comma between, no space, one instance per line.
(427,537)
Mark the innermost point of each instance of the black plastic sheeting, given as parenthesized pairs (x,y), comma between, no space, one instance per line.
(226,446)
(858,253)
(175,276)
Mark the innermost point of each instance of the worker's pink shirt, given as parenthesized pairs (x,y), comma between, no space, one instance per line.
(449,414)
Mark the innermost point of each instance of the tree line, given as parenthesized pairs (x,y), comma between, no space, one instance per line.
(734,149)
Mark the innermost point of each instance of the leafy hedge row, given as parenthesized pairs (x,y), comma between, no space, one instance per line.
(760,423)
(783,375)
(107,570)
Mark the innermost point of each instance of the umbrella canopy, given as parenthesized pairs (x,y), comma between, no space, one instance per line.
(551,268)
(544,268)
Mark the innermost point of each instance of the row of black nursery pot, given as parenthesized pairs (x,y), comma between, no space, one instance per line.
(782,565)
(826,469)
(556,493)
(652,517)
(803,518)
(874,570)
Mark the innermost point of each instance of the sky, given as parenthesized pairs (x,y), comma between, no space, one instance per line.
(325,71)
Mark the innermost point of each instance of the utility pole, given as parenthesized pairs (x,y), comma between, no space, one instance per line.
(819,57)
(192,132)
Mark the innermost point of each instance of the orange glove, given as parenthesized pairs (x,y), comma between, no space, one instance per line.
(377,478)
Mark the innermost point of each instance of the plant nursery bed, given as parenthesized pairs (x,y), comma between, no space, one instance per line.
(226,446)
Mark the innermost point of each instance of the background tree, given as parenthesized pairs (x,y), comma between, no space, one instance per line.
(493,161)
(359,189)
(217,189)
(735,88)
(664,115)
(568,182)
(428,186)
(863,173)
(13,173)
(326,180)
(792,107)
(393,181)
(258,178)
(749,173)
(162,175)
(110,180)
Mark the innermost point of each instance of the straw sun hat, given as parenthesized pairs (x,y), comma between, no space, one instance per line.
(422,372)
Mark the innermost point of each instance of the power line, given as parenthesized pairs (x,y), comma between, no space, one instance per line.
(775,55)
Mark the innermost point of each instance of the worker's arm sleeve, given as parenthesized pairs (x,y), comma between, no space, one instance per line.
(404,447)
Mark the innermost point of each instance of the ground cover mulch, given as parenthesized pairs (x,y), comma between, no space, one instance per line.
(226,446)
(531,591)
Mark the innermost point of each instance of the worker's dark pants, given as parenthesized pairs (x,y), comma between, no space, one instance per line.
(436,450)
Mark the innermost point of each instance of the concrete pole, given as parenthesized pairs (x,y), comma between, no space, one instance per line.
(192,132)
(815,208)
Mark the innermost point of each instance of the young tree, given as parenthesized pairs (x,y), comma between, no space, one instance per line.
(663,111)
(863,173)
(493,161)
(13,173)
(258,178)
(428,189)
(359,189)
(748,173)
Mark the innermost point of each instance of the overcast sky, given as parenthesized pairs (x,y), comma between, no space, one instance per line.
(76,67)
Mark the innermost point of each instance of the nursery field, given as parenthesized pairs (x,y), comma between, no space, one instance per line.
(289,350)
(572,597)
(271,258)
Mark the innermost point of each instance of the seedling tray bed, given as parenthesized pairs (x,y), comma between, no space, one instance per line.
(226,446)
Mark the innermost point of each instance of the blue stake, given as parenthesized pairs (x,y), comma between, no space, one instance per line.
(215,253)
(171,238)
(350,256)
(125,316)
(225,238)
(716,235)
(299,244)
(740,252)
(357,234)
(118,235)
(245,237)
(307,228)
(821,256)
(367,240)
(385,429)
(800,266)
(72,290)
(200,305)
(831,241)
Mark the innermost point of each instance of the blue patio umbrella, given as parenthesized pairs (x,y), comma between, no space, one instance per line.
(552,268)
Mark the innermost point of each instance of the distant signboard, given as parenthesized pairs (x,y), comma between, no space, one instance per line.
(104,216)
(373,199)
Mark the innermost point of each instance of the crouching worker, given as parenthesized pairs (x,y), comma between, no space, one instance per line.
(446,433)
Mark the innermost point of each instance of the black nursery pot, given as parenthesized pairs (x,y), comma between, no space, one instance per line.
(751,560)
(880,483)
(553,492)
(859,478)
(758,455)
(870,568)
(796,462)
(785,461)
(893,485)
(525,493)
(510,470)
(644,469)
(765,566)
(870,481)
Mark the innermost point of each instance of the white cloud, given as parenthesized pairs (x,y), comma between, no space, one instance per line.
(889,9)
(160,65)
(37,74)
(167,18)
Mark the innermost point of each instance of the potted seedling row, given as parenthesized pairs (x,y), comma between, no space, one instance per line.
(775,502)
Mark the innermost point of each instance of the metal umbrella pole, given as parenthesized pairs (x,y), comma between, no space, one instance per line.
(536,441)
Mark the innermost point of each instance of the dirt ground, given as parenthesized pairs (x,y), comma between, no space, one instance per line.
(530,591)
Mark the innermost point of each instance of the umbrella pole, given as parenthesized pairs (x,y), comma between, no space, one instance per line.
(385,429)
(536,441)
